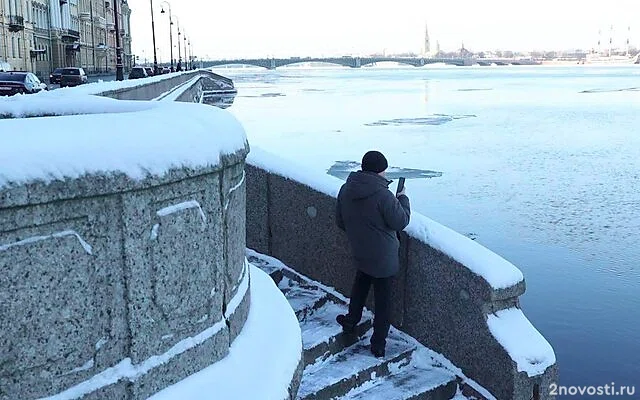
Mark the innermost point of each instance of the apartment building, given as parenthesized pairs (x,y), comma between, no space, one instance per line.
(41,35)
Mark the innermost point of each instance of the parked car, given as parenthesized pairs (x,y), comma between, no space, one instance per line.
(55,76)
(149,71)
(166,70)
(5,67)
(20,82)
(73,77)
(137,73)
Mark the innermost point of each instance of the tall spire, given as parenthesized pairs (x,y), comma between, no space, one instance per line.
(427,42)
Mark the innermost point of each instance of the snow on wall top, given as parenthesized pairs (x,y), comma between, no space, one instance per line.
(134,137)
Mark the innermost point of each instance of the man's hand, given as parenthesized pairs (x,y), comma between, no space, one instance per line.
(403,192)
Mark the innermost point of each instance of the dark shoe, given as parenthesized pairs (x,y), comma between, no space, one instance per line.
(377,351)
(347,327)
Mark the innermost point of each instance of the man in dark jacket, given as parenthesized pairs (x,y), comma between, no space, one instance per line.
(371,215)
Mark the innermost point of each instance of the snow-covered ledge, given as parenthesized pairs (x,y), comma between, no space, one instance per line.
(121,244)
(452,294)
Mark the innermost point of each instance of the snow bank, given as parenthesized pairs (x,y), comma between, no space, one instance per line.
(497,271)
(57,103)
(526,346)
(134,137)
(261,361)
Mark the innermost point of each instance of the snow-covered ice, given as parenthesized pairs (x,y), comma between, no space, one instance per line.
(262,359)
(497,271)
(133,137)
(526,346)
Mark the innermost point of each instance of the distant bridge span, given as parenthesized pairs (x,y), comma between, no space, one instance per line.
(351,62)
(357,62)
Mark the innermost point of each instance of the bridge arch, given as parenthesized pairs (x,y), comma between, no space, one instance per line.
(252,63)
(344,63)
(371,61)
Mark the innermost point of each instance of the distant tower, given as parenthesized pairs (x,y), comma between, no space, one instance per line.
(437,47)
(628,39)
(427,42)
(599,41)
(610,40)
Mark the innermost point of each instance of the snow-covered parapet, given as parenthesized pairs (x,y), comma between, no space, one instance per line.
(121,244)
(452,294)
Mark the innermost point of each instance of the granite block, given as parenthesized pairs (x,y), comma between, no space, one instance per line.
(62,290)
(257,228)
(172,232)
(233,200)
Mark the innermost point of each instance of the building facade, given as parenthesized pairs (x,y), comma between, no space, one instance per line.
(41,35)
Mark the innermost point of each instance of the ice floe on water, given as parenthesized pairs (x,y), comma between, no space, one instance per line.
(266,95)
(342,169)
(631,89)
(474,89)
(435,119)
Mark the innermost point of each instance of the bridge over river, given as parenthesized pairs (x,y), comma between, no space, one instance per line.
(357,62)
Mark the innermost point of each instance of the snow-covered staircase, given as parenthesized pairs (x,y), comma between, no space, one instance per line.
(340,366)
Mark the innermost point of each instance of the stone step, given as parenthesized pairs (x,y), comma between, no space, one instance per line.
(337,374)
(303,298)
(410,382)
(322,336)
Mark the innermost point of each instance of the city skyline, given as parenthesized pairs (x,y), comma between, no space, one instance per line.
(282,28)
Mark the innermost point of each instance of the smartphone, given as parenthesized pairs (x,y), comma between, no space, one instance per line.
(400,186)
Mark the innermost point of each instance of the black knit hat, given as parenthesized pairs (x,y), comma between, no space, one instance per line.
(374,161)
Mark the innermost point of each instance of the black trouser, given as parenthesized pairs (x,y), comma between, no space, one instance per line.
(382,297)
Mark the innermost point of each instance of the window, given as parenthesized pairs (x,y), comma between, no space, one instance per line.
(19,49)
(13,47)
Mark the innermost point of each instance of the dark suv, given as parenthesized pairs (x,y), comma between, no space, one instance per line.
(55,76)
(72,77)
(20,82)
(137,73)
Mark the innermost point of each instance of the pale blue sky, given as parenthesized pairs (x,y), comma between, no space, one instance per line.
(282,28)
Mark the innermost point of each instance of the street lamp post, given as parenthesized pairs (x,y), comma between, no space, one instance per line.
(186,60)
(179,54)
(170,31)
(153,33)
(190,54)
(119,66)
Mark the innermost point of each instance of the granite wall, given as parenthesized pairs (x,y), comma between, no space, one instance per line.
(436,300)
(145,279)
(150,91)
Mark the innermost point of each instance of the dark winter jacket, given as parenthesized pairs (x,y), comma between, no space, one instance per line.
(371,215)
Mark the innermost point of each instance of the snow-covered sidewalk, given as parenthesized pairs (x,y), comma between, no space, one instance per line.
(261,360)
